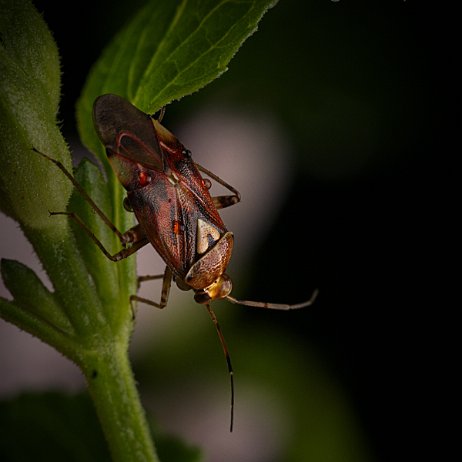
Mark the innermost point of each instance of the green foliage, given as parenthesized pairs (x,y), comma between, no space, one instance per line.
(31,296)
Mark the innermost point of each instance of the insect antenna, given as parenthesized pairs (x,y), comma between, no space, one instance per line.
(275,306)
(227,357)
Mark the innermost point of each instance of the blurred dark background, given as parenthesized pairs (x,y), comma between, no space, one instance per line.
(363,91)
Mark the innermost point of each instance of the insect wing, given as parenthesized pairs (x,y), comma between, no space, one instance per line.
(126,131)
(193,194)
(179,162)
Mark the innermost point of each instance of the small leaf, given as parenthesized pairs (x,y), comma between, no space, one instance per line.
(30,294)
(168,50)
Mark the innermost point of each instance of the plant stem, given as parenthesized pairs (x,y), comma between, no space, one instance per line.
(112,387)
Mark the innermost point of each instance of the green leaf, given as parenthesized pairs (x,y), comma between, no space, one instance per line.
(168,50)
(29,94)
(31,295)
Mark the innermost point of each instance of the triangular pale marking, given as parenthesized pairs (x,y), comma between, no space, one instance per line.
(204,230)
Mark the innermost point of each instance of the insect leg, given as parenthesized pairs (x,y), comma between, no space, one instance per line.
(166,283)
(133,235)
(222,201)
(84,194)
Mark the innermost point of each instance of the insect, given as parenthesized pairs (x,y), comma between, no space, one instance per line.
(173,206)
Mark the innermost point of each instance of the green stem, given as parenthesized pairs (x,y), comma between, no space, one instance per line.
(112,387)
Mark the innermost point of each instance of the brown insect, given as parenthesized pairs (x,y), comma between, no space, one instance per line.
(173,207)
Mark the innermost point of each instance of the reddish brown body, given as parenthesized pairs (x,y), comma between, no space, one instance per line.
(168,195)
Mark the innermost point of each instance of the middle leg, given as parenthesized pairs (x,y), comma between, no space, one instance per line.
(166,284)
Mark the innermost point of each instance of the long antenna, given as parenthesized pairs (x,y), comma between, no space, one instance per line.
(228,360)
(274,306)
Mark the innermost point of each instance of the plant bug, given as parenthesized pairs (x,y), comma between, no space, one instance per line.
(174,209)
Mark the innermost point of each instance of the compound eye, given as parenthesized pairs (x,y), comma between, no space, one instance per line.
(224,286)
